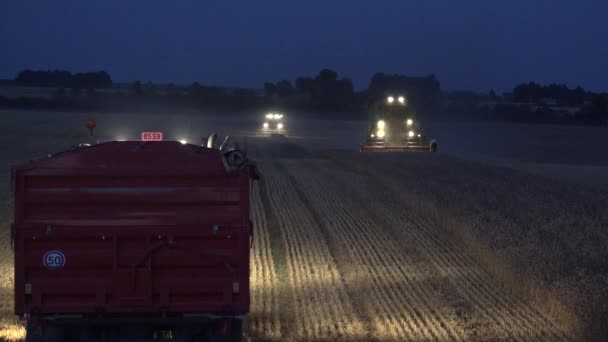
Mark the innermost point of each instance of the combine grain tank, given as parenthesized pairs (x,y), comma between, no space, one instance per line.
(133,241)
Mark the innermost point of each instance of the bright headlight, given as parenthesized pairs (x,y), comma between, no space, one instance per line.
(372,135)
(401,99)
(411,134)
(381,124)
(410,122)
(380,133)
(269,116)
(265,124)
(390,99)
(278,116)
(183,141)
(280,125)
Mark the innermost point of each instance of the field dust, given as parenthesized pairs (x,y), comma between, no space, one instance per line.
(382,247)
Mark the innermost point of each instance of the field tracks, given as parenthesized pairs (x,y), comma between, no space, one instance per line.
(477,287)
(377,278)
(263,320)
(319,307)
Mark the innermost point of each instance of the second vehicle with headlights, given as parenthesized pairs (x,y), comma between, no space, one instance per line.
(274,124)
(393,127)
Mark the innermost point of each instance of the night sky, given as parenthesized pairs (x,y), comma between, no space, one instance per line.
(468,44)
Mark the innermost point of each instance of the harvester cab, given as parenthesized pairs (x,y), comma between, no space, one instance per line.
(393,128)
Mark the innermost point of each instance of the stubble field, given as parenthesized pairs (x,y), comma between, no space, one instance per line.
(383,247)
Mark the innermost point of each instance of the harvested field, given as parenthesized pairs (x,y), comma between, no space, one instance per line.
(398,247)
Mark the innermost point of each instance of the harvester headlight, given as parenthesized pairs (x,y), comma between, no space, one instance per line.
(411,134)
(265,124)
(280,126)
(381,124)
(401,99)
(380,133)
(269,116)
(390,99)
(410,122)
(278,116)
(183,141)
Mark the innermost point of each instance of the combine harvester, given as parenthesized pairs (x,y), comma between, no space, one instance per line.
(134,241)
(274,125)
(393,128)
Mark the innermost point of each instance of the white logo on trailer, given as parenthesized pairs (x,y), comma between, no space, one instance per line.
(53,260)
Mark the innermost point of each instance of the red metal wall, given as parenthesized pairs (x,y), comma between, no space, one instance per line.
(131,230)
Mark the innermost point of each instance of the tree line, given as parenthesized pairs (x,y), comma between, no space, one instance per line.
(63,79)
(531,102)
(536,93)
(327,93)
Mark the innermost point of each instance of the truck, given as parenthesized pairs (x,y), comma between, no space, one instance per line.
(393,127)
(133,241)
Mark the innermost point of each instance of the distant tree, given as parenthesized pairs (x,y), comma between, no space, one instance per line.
(136,88)
(492,95)
(330,93)
(195,92)
(284,89)
(172,90)
(150,89)
(57,78)
(195,89)
(327,75)
(578,96)
(597,112)
(305,85)
(270,89)
(532,92)
(62,78)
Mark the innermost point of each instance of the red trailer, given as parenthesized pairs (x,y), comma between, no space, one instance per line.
(133,241)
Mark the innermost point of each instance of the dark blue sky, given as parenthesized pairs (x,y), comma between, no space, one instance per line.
(468,44)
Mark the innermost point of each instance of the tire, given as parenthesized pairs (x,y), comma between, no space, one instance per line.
(37,333)
(226,330)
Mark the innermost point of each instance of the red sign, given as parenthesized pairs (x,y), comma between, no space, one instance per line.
(152,136)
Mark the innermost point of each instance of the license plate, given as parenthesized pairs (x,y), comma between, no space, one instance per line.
(152,136)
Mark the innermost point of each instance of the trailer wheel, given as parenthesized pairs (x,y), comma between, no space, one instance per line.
(226,330)
(36,332)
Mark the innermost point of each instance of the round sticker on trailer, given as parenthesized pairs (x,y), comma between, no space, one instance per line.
(53,260)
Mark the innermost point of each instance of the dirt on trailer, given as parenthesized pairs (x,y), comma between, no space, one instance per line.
(395,247)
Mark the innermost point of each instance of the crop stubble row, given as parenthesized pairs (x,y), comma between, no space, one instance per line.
(321,306)
(526,318)
(263,320)
(509,315)
(384,278)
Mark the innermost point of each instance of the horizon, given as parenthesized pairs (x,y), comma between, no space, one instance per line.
(471,46)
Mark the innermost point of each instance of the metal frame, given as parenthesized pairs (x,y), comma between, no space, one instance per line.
(92,203)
